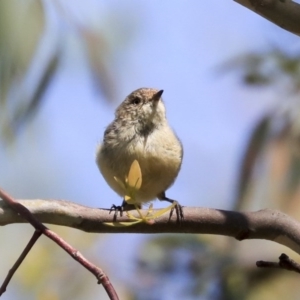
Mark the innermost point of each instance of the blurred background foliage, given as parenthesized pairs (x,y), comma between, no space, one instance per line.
(164,266)
(270,166)
(22,26)
(17,49)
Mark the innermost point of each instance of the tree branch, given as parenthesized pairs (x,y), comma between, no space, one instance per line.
(284,263)
(19,209)
(264,224)
(283,13)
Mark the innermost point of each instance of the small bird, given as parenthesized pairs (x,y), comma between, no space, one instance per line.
(140,131)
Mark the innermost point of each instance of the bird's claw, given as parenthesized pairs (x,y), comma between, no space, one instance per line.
(179,211)
(117,209)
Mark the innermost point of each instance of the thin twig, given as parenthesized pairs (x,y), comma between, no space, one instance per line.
(285,263)
(11,272)
(26,214)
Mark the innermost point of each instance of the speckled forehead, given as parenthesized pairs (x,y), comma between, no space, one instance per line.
(143,93)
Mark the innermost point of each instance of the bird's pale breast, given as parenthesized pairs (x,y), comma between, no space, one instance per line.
(159,155)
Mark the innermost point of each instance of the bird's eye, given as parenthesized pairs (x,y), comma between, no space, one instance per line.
(136,100)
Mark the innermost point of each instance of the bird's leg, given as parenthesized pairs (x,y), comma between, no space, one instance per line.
(121,208)
(179,212)
(116,209)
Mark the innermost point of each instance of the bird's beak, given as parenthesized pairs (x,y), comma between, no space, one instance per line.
(157,96)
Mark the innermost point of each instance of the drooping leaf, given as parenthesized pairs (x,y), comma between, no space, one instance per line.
(134,179)
(252,152)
